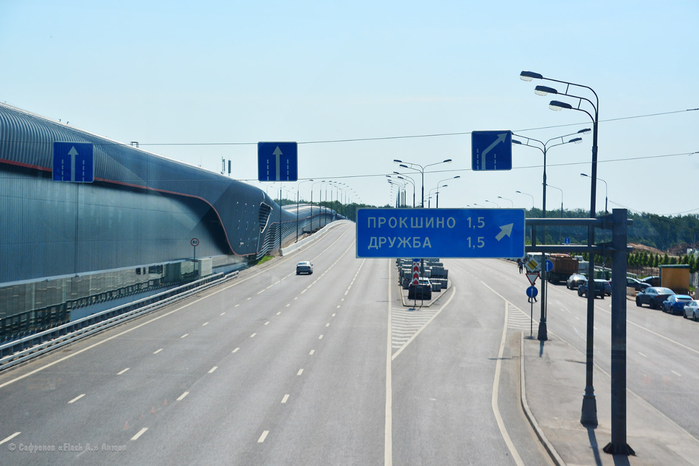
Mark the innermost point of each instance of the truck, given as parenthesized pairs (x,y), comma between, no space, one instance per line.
(563,267)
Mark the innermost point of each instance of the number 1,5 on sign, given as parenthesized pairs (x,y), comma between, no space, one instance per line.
(480,223)
(479,244)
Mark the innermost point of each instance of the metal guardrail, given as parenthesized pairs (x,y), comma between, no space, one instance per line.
(29,347)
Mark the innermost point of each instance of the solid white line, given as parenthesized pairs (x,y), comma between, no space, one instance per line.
(183,336)
(181,397)
(388,416)
(213,369)
(299,372)
(236,350)
(76,399)
(263,436)
(286,397)
(7,439)
(140,432)
(676,373)
(119,373)
(642,354)
(496,388)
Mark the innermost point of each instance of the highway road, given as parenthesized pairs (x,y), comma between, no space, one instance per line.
(329,368)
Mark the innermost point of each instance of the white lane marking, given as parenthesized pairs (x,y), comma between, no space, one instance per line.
(213,369)
(7,439)
(333,315)
(261,291)
(222,313)
(204,324)
(140,432)
(642,354)
(338,306)
(185,335)
(279,312)
(181,397)
(76,399)
(676,373)
(286,397)
(263,436)
(327,325)
(158,351)
(249,298)
(119,373)
(388,416)
(296,298)
(267,323)
(288,305)
(299,372)
(320,337)
(236,305)
(236,350)
(253,335)
(311,353)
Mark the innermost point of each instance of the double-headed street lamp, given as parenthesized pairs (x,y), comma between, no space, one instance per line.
(411,166)
(544,147)
(409,180)
(606,191)
(589,406)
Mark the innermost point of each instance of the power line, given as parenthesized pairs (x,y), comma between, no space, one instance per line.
(413,136)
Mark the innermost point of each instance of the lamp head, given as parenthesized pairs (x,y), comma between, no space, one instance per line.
(529,75)
(447,161)
(543,90)
(584,131)
(576,140)
(514,141)
(397,161)
(558,106)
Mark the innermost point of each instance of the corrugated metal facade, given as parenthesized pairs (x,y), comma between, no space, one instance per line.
(141,209)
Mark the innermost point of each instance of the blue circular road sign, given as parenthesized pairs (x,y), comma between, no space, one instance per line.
(532,292)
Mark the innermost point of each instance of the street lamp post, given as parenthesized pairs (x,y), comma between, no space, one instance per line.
(437,191)
(440,182)
(512,204)
(319,195)
(298,195)
(589,406)
(560,233)
(496,204)
(411,166)
(409,180)
(527,194)
(544,147)
(606,191)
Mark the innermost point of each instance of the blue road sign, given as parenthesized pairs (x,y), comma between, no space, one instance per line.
(277,161)
(491,150)
(549,265)
(566,241)
(532,292)
(440,233)
(73,161)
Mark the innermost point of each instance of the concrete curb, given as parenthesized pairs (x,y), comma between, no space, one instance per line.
(555,457)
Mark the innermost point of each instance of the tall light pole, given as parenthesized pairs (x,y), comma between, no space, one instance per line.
(606,191)
(411,166)
(409,180)
(441,181)
(512,204)
(496,204)
(560,234)
(437,190)
(589,407)
(544,147)
(319,196)
(527,194)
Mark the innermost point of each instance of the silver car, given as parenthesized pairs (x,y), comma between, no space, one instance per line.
(691,310)
(304,267)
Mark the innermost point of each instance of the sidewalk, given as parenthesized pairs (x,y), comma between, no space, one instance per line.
(553,378)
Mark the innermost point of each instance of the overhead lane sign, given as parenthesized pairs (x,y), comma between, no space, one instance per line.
(444,233)
(491,150)
(277,161)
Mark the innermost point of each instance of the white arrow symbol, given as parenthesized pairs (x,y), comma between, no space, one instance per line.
(72,152)
(501,138)
(278,153)
(505,230)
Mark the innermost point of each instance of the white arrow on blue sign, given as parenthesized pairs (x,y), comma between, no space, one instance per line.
(73,161)
(440,233)
(277,161)
(491,150)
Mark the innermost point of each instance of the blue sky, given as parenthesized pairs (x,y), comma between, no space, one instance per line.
(243,72)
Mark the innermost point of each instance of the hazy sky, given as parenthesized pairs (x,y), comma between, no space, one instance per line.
(242,72)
